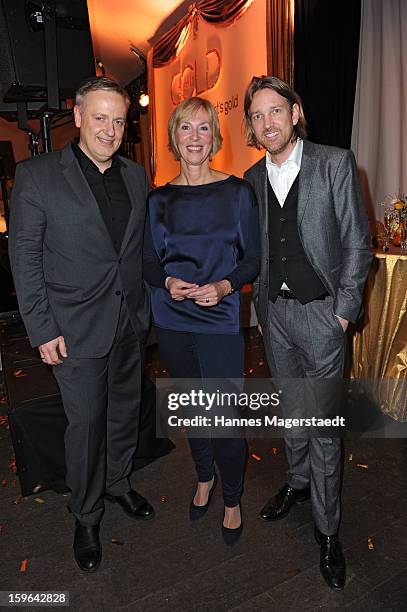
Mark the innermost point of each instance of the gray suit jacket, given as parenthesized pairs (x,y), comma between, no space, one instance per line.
(68,277)
(332,224)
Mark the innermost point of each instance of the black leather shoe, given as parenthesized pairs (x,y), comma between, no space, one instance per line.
(134,504)
(197,512)
(86,547)
(332,564)
(280,505)
(232,536)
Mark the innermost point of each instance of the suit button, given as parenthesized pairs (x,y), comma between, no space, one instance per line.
(284,259)
(282,219)
(120,260)
(118,292)
(282,240)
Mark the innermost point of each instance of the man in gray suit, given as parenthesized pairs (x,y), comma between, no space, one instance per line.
(316,256)
(77,220)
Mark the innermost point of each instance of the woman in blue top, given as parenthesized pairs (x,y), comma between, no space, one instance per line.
(201,246)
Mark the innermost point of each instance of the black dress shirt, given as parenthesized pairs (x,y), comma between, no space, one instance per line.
(110,193)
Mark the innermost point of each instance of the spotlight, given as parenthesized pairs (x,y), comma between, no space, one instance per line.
(144,100)
(100,69)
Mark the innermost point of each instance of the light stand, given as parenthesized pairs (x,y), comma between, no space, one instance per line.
(42,18)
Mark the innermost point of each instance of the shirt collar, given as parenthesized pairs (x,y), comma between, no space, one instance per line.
(85,162)
(293,159)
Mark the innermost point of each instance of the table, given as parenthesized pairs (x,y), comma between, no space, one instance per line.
(379,343)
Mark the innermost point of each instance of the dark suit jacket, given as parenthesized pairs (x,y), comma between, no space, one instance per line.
(68,277)
(332,224)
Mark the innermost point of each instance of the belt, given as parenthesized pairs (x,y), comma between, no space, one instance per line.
(287,294)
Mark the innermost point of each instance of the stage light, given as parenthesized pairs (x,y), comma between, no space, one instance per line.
(100,69)
(144,100)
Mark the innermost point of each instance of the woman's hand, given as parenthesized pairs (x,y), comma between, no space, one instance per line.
(210,294)
(178,288)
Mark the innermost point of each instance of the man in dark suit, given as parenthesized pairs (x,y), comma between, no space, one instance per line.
(76,232)
(316,257)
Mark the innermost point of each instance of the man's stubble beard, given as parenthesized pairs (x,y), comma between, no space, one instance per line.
(283,146)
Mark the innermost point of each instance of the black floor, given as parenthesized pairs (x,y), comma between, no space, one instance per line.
(165,564)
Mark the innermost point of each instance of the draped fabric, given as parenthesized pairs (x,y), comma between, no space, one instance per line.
(379,348)
(223,13)
(380,117)
(326,45)
(280,33)
(218,12)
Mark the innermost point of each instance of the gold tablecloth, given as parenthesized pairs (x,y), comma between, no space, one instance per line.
(379,344)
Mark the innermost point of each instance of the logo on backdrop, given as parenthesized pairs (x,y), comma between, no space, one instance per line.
(196,78)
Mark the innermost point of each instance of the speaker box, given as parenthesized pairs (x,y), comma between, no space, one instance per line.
(22,48)
(37,419)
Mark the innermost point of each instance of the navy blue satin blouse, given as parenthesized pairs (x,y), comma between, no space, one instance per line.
(201,234)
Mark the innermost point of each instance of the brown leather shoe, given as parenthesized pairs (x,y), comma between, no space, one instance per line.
(280,505)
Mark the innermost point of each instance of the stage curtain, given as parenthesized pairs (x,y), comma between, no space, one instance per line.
(281,39)
(326,45)
(380,117)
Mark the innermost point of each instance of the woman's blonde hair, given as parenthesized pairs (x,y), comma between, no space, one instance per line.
(186,109)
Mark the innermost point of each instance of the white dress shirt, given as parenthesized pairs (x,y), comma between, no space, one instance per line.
(282,177)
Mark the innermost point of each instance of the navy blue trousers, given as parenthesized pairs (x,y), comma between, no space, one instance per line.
(189,355)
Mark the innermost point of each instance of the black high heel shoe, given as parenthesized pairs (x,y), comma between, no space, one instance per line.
(232,536)
(197,512)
